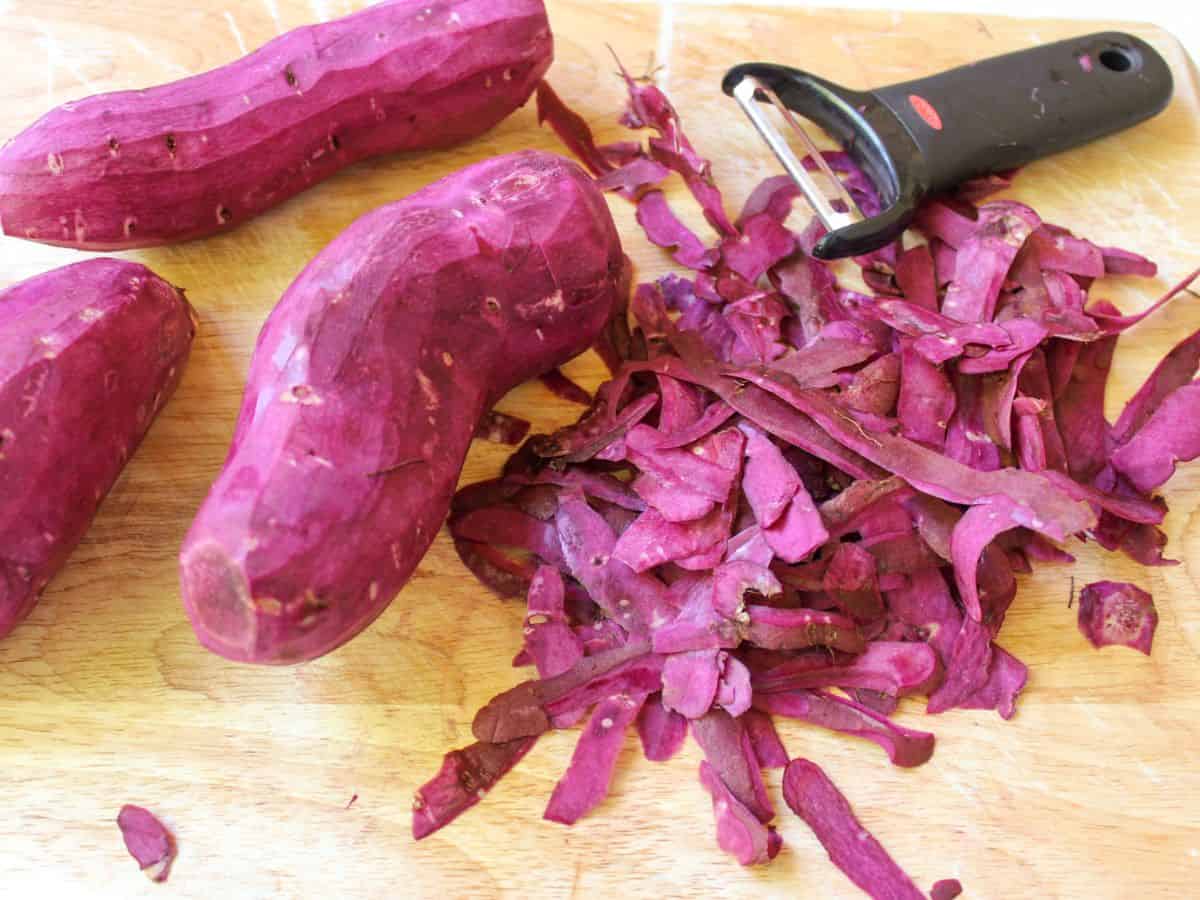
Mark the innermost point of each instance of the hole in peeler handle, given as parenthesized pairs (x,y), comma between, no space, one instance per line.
(1118,59)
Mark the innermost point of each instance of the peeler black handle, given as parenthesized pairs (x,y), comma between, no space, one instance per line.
(1004,112)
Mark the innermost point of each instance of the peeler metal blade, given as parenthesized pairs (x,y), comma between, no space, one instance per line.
(746,92)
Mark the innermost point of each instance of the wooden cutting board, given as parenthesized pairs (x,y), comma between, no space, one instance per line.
(106,698)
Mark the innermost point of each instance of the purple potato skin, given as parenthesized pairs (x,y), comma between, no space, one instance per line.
(202,155)
(89,354)
(367,384)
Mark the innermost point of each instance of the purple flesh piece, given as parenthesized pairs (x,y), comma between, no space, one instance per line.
(147,840)
(768,748)
(587,779)
(799,531)
(1171,435)
(733,688)
(1122,262)
(550,642)
(764,242)
(770,481)
(662,731)
(689,682)
(927,400)
(904,746)
(966,667)
(898,668)
(793,629)
(1006,679)
(730,752)
(984,258)
(666,231)
(1177,369)
(812,796)
(946,889)
(1112,612)
(465,777)
(739,832)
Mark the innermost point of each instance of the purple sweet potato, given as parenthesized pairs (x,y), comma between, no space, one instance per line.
(88,356)
(366,387)
(205,154)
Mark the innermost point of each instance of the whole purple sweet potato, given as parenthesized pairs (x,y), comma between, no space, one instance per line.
(202,155)
(88,356)
(366,387)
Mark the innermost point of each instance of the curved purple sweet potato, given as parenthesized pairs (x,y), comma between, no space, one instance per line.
(365,389)
(202,155)
(88,356)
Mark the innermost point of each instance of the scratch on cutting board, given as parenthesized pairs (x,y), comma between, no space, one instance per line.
(1151,773)
(54,58)
(843,43)
(237,32)
(958,786)
(666,41)
(579,871)
(1167,196)
(1090,713)
(159,58)
(49,75)
(273,9)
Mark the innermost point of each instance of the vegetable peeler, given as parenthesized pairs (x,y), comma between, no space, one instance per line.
(929,135)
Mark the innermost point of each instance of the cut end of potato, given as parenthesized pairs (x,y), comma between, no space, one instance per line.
(218,601)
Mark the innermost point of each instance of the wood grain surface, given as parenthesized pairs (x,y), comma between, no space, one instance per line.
(106,697)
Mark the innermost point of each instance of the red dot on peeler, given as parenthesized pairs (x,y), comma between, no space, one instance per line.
(925,110)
